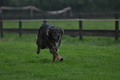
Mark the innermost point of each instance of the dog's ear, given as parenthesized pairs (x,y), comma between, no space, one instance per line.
(47,33)
(62,31)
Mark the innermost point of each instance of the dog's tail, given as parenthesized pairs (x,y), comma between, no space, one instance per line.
(36,37)
(44,21)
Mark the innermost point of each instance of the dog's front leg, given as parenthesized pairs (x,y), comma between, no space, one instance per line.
(52,51)
(58,56)
(53,58)
(55,55)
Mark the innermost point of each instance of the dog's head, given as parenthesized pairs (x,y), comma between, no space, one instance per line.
(55,33)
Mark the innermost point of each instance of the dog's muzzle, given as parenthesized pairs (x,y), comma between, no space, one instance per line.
(57,38)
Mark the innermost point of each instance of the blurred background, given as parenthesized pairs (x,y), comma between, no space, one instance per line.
(36,8)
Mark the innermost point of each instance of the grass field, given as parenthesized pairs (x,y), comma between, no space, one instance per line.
(94,58)
(63,24)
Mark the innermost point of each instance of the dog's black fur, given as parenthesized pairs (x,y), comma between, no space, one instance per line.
(49,37)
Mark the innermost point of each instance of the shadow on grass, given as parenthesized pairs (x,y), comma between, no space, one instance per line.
(45,60)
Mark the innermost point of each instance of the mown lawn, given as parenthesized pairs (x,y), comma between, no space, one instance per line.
(94,58)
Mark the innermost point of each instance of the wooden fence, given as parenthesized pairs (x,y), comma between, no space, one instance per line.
(71,32)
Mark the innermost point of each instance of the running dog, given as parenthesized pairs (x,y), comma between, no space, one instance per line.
(49,37)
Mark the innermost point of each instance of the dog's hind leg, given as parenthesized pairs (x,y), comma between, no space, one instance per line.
(39,44)
(38,49)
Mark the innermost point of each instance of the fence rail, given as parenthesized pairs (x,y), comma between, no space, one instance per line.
(71,32)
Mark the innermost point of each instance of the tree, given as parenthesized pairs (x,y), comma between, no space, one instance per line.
(77,5)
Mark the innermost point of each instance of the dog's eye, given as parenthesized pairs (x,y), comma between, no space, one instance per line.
(54,32)
(59,32)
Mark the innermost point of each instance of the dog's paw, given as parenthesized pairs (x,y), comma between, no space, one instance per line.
(37,52)
(61,59)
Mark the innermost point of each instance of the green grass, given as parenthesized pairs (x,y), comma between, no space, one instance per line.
(64,24)
(37,24)
(99,25)
(94,58)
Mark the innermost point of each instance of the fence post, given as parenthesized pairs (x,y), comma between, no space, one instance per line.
(1,27)
(116,27)
(80,28)
(20,28)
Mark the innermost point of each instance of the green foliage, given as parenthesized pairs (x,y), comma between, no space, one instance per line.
(77,5)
